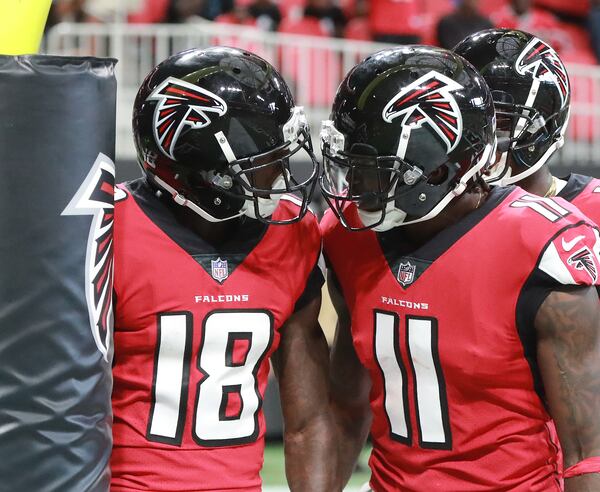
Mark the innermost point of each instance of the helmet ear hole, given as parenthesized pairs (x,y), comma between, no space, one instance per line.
(438,176)
(209,195)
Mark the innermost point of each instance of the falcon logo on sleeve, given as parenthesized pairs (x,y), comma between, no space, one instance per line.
(584,260)
(545,65)
(95,197)
(573,257)
(429,100)
(181,104)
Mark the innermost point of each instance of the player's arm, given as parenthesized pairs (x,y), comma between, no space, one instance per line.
(350,385)
(568,330)
(301,365)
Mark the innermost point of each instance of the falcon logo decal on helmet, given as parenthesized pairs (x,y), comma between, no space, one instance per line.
(181,104)
(543,63)
(95,198)
(429,100)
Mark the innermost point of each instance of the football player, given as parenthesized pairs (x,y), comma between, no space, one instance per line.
(531,92)
(216,273)
(463,353)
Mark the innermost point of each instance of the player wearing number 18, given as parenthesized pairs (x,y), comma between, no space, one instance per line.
(216,273)
(467,316)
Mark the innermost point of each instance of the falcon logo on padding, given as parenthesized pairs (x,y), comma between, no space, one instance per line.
(95,197)
(583,259)
(429,100)
(181,104)
(543,63)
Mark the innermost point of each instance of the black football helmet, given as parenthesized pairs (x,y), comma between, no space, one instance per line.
(215,128)
(410,127)
(531,92)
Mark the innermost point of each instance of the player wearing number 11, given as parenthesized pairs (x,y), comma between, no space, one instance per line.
(467,316)
(216,273)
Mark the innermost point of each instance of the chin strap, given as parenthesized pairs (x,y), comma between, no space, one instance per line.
(266,206)
(508,178)
(184,202)
(395,217)
(498,171)
(515,178)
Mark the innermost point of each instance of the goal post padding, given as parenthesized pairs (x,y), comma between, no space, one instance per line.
(57,141)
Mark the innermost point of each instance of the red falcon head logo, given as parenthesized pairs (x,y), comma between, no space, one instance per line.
(429,100)
(583,259)
(543,63)
(181,104)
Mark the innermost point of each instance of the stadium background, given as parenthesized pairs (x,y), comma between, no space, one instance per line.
(314,43)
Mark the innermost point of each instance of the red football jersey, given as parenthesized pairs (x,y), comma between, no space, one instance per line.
(446,333)
(584,193)
(194,328)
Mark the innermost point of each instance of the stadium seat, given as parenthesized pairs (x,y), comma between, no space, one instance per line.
(230,18)
(349,8)
(584,125)
(308,26)
(150,11)
(578,8)
(436,8)
(236,41)
(576,39)
(395,17)
(291,9)
(486,7)
(313,72)
(358,28)
(536,21)
(430,12)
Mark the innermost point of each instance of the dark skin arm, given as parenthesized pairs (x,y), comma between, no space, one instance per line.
(350,386)
(301,363)
(568,329)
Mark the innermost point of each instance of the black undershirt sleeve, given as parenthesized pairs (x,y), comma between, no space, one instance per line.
(312,289)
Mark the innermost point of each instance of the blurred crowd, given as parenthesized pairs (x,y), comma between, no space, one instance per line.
(572,27)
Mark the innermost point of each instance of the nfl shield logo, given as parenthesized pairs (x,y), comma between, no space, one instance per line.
(219,269)
(406,273)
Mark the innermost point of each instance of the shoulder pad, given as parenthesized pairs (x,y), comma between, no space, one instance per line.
(572,256)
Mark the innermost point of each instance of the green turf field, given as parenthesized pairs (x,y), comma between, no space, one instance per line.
(273,472)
